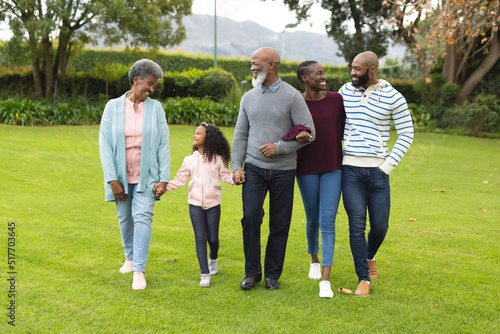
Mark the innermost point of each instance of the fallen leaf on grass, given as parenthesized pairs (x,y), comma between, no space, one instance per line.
(442,191)
(485,182)
(413,219)
(481,209)
(346,291)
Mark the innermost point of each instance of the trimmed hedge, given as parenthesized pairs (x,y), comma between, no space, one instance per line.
(170,62)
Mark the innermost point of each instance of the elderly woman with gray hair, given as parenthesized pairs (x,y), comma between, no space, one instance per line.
(135,158)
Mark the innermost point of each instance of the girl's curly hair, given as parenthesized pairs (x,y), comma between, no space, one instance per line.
(215,144)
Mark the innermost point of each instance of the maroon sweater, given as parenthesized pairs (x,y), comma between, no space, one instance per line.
(325,152)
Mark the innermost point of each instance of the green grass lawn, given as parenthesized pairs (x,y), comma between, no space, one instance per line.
(437,274)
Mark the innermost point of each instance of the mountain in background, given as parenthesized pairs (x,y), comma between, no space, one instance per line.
(241,39)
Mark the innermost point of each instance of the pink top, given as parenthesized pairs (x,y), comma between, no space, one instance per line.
(204,189)
(133,140)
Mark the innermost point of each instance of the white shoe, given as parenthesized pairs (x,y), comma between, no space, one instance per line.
(127,267)
(212,266)
(205,280)
(139,282)
(325,289)
(315,271)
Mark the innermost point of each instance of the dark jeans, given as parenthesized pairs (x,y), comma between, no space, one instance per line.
(280,185)
(362,189)
(206,229)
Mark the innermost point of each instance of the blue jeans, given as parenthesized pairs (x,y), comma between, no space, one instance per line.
(135,217)
(362,189)
(280,185)
(206,229)
(321,196)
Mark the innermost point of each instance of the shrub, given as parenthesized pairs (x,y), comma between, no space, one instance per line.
(215,83)
(449,93)
(483,113)
(407,89)
(422,117)
(291,78)
(429,88)
(71,111)
(233,97)
(475,117)
(192,110)
(23,112)
(212,83)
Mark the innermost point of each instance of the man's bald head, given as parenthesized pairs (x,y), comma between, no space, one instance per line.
(368,57)
(364,69)
(266,60)
(268,54)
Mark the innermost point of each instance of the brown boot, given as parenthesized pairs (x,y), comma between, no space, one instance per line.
(372,269)
(363,289)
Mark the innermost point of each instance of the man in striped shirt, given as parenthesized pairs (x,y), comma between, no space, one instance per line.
(371,105)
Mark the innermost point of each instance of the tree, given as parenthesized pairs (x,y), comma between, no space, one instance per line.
(406,18)
(59,24)
(355,25)
(464,33)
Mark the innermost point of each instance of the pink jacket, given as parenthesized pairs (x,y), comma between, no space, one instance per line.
(204,189)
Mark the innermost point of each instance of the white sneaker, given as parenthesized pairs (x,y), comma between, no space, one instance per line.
(212,266)
(139,282)
(127,267)
(325,289)
(205,280)
(315,271)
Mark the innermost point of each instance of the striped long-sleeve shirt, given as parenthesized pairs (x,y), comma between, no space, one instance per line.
(369,116)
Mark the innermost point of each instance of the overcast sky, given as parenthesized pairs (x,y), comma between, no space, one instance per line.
(273,15)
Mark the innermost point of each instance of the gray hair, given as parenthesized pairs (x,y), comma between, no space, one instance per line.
(144,67)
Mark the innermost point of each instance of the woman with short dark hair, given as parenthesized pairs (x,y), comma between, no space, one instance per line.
(319,170)
(135,157)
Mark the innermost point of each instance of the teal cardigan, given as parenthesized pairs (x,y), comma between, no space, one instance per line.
(155,149)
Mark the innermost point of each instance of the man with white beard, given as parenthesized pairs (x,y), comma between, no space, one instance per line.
(270,111)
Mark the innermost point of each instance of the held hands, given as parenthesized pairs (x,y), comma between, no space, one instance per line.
(303,137)
(159,189)
(238,177)
(118,191)
(268,150)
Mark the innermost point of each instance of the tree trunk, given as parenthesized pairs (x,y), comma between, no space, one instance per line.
(406,33)
(62,56)
(49,66)
(450,61)
(417,53)
(486,65)
(37,78)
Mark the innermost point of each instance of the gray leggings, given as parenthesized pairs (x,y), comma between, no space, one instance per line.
(206,229)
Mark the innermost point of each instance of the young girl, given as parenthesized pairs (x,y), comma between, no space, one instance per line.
(206,166)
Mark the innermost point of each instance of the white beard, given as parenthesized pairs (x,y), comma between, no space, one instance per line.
(261,77)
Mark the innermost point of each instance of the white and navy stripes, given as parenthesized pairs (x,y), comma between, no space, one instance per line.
(370,114)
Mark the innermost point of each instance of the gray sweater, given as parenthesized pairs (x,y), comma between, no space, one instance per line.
(265,118)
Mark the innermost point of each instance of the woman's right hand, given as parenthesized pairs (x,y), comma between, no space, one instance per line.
(118,191)
(303,137)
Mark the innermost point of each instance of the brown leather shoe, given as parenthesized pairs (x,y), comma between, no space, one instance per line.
(372,269)
(363,289)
